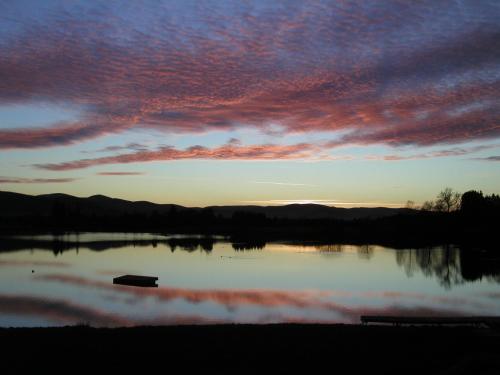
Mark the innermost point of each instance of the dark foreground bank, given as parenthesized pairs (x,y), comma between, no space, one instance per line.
(254,348)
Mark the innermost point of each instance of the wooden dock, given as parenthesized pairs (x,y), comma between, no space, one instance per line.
(489,321)
(136,280)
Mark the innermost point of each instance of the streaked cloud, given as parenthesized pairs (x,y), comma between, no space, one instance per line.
(456,151)
(228,151)
(280,183)
(388,73)
(133,146)
(119,173)
(58,135)
(21,180)
(490,158)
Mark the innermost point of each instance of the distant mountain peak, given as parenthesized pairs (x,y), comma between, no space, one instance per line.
(55,195)
(14,204)
(99,196)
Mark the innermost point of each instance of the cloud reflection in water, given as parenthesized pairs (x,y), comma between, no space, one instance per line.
(280,305)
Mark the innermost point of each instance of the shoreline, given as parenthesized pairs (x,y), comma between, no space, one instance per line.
(374,348)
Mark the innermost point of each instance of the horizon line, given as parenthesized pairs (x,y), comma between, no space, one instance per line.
(332,203)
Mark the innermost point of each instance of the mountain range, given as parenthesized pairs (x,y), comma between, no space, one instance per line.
(16,204)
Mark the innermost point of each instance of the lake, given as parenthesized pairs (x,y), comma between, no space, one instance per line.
(48,280)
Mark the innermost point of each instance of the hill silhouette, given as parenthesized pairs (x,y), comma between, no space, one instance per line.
(471,220)
(16,204)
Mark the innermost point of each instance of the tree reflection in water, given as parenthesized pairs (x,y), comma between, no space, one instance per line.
(365,251)
(449,264)
(330,248)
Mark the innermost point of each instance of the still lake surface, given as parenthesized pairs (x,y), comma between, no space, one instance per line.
(64,280)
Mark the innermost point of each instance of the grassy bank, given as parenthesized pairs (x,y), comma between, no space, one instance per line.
(243,348)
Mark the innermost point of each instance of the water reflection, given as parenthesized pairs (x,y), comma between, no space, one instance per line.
(68,312)
(329,248)
(243,246)
(202,280)
(483,264)
(64,312)
(366,251)
(191,244)
(442,262)
(58,245)
(450,265)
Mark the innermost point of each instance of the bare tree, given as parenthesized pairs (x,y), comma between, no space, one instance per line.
(447,200)
(439,206)
(410,204)
(427,206)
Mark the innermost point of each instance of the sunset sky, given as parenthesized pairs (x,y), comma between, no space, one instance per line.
(345,103)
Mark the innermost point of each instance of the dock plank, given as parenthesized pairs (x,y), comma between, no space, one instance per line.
(489,321)
(136,280)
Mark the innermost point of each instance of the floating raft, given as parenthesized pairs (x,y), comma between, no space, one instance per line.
(490,321)
(135,280)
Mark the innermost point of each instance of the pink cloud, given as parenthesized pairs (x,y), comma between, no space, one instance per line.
(236,151)
(312,67)
(57,135)
(229,151)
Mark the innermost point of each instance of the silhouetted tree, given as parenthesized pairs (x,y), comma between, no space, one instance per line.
(427,206)
(447,200)
(410,204)
(472,202)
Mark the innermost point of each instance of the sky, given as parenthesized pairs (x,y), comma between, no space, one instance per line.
(345,103)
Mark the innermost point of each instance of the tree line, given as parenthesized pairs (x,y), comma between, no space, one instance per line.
(449,200)
(451,217)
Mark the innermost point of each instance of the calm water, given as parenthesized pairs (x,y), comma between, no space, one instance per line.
(46,281)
